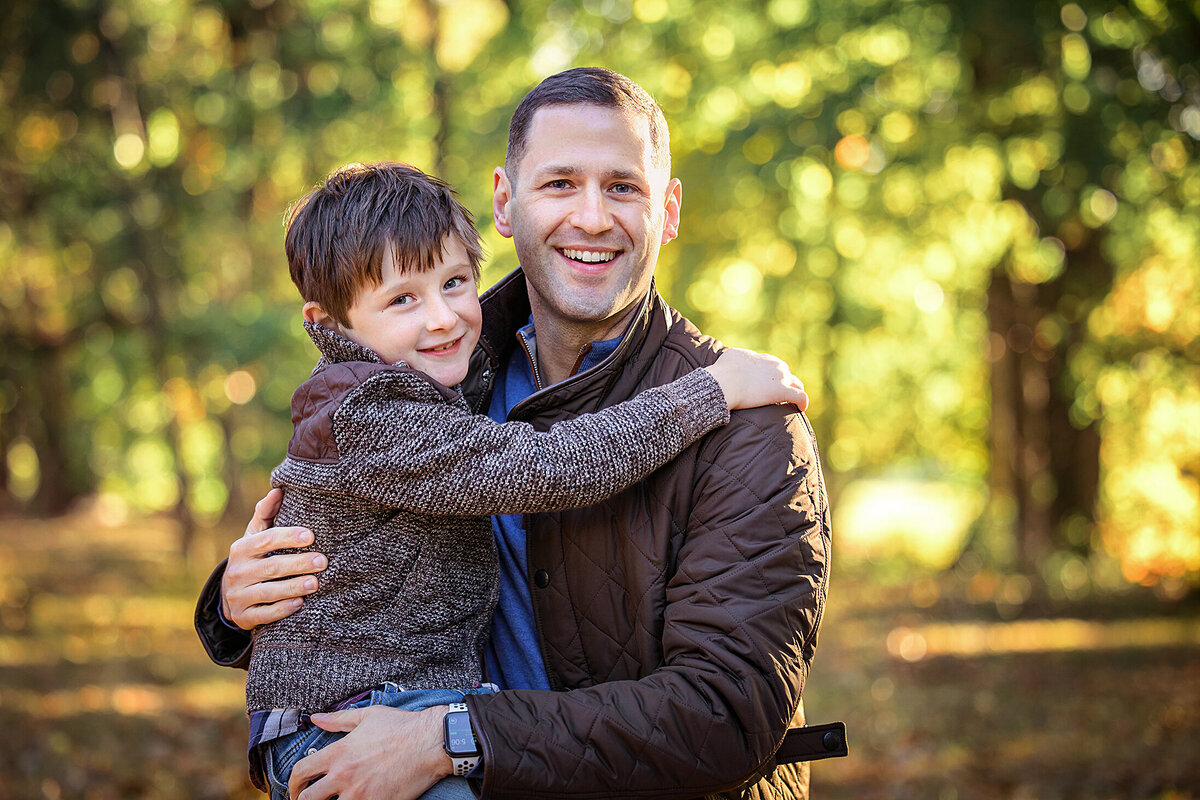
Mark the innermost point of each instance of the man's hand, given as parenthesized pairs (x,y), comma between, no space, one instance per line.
(252,593)
(388,754)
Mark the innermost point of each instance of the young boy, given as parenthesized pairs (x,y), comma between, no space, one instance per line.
(397,477)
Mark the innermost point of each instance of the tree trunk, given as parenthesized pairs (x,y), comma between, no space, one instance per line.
(46,419)
(1043,463)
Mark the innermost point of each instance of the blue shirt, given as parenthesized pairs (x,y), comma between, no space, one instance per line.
(514,657)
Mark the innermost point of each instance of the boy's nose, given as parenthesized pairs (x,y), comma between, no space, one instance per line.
(591,213)
(439,315)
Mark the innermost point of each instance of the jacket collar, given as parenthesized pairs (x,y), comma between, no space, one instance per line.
(506,310)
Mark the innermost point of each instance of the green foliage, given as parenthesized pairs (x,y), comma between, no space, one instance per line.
(864,182)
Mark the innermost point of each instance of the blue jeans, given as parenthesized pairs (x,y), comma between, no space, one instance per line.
(280,755)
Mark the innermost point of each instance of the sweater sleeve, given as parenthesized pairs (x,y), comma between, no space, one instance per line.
(437,458)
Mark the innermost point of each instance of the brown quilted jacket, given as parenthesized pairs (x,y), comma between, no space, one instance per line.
(686,608)
(683,611)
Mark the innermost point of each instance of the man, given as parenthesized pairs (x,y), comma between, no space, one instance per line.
(677,621)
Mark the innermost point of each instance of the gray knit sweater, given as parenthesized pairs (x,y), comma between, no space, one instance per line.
(395,477)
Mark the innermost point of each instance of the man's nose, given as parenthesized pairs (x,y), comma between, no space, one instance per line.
(591,213)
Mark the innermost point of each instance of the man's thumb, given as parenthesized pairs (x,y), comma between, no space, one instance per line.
(339,721)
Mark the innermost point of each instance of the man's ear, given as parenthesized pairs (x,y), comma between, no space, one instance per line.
(312,312)
(501,196)
(673,202)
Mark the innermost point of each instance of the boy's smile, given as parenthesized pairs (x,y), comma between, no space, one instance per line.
(430,320)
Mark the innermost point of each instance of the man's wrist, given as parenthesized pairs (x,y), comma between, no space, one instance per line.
(221,614)
(435,756)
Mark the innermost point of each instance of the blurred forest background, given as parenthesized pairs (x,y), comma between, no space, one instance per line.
(972,228)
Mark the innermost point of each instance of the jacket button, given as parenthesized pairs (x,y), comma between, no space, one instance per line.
(541,579)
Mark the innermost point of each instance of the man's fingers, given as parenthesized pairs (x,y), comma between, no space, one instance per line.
(260,543)
(284,565)
(270,600)
(309,769)
(253,616)
(257,587)
(265,511)
(273,591)
(322,789)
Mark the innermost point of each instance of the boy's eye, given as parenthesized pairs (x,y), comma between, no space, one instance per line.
(455,282)
(402,300)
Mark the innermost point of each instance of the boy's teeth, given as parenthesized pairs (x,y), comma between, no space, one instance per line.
(589,256)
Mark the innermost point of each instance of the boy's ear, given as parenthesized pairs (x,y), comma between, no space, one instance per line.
(501,196)
(312,312)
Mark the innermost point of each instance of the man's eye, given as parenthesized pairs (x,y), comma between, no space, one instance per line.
(623,188)
(559,184)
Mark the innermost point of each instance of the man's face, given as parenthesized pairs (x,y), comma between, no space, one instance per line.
(430,320)
(587,211)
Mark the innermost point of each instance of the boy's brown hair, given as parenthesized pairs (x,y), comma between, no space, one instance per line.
(336,234)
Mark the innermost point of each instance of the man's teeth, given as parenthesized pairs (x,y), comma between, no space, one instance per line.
(589,256)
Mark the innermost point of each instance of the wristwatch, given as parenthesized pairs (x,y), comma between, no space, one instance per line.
(459,740)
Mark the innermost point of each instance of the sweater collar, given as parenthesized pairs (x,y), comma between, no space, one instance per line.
(336,348)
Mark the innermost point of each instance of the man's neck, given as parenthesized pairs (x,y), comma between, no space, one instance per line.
(560,341)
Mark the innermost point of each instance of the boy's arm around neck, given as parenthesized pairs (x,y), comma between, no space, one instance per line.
(400,445)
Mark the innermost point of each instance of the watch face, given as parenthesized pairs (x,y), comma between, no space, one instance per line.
(460,739)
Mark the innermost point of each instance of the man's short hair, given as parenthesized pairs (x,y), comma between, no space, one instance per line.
(336,234)
(592,86)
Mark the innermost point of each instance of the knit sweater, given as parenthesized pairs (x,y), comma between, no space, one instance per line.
(395,477)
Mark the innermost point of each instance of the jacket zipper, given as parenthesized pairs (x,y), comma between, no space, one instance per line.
(551,676)
(537,375)
(615,355)
(583,351)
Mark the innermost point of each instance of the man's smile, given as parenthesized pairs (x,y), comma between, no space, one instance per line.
(589,256)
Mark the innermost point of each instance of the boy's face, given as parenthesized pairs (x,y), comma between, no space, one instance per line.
(430,320)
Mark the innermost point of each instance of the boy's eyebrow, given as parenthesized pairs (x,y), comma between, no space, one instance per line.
(392,284)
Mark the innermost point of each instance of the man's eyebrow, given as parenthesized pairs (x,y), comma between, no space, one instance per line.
(625,175)
(560,170)
(569,171)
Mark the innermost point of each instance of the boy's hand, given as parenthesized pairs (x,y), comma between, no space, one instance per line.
(258,587)
(388,753)
(749,379)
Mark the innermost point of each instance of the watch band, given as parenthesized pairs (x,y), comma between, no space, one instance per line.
(462,764)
